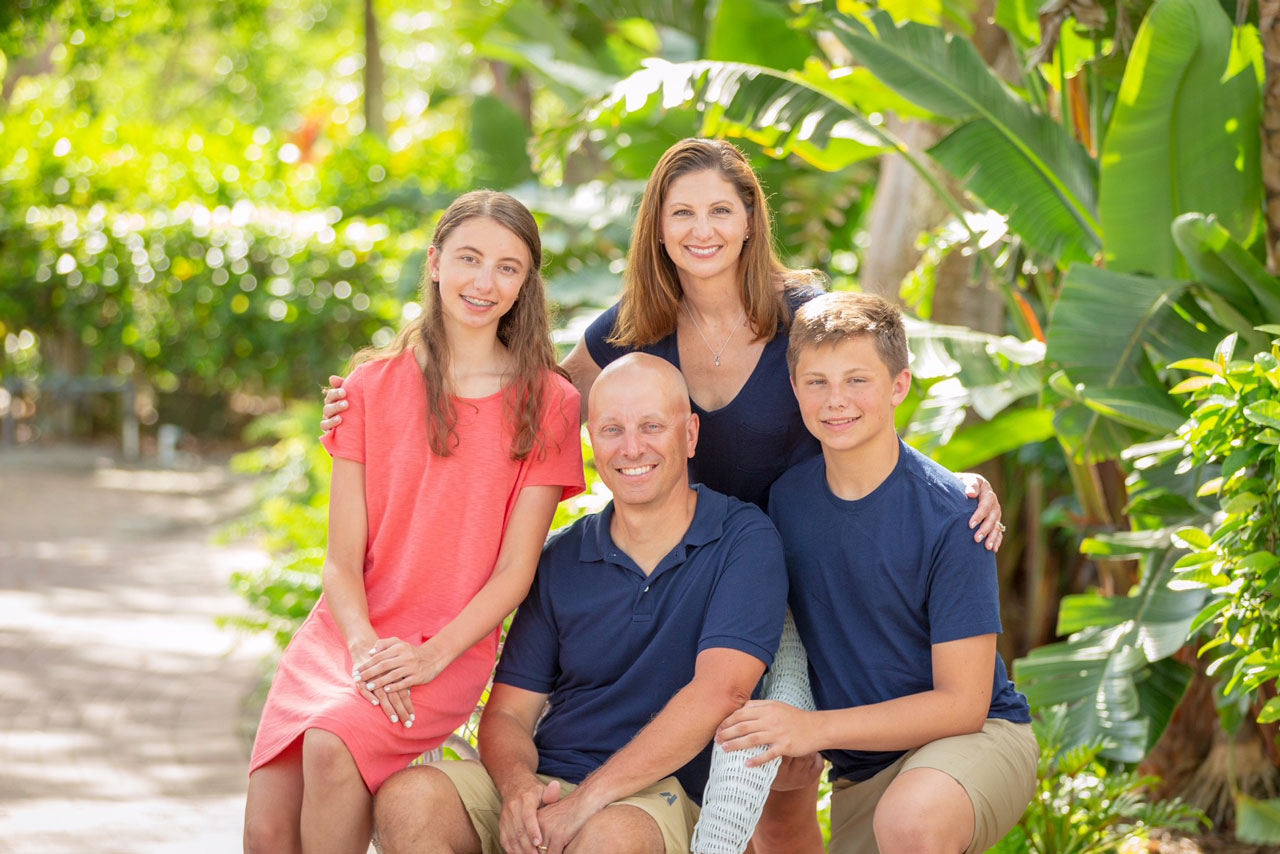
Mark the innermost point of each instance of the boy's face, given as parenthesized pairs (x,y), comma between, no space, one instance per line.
(846,394)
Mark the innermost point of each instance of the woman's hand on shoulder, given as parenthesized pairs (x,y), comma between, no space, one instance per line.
(986,519)
(334,403)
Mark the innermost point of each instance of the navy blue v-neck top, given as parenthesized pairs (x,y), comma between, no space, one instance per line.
(746,444)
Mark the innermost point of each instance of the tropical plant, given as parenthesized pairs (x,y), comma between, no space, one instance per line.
(1084,804)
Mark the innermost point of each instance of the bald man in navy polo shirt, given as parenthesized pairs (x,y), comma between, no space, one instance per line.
(648,623)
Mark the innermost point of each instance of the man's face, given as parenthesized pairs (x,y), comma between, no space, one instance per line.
(846,394)
(642,434)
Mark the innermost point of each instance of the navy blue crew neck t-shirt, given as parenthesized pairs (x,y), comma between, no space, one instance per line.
(875,582)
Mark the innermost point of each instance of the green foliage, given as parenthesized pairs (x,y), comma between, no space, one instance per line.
(291,516)
(1016,159)
(1184,137)
(1235,426)
(1113,676)
(1085,805)
(203,299)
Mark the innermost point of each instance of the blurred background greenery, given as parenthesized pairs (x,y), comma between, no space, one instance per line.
(214,205)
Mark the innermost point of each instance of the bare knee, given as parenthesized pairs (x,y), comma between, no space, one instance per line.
(413,806)
(326,761)
(619,830)
(923,811)
(271,832)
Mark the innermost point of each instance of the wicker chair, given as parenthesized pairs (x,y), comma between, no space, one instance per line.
(735,794)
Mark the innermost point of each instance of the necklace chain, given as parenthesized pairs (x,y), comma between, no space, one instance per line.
(713,351)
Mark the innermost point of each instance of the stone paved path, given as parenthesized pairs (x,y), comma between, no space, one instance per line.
(121,703)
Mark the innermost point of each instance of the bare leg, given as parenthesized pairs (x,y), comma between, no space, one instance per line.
(274,805)
(924,811)
(789,823)
(336,806)
(418,810)
(619,829)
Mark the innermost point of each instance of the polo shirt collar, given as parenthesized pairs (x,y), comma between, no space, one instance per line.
(707,526)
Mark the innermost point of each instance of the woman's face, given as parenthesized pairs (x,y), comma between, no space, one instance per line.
(704,224)
(479,270)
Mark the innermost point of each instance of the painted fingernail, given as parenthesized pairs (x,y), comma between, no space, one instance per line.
(372,651)
(369,685)
(386,688)
(413,717)
(395,719)
(374,701)
(408,724)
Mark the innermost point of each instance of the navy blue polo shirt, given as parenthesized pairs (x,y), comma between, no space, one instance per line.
(611,646)
(876,582)
(744,445)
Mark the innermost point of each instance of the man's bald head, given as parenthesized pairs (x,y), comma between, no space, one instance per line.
(642,431)
(661,382)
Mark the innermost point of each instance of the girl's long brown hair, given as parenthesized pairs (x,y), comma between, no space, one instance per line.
(651,289)
(525,330)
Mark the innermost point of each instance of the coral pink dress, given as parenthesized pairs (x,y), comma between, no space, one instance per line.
(435,528)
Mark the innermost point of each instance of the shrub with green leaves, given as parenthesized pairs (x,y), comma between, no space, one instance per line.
(1236,425)
(1084,804)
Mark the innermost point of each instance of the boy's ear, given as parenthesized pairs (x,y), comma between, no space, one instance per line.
(901,385)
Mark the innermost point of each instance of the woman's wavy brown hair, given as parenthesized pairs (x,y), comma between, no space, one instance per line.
(651,289)
(525,330)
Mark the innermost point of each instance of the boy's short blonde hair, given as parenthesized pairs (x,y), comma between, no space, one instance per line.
(835,317)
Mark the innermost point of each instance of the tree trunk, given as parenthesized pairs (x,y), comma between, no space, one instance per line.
(1269,27)
(903,207)
(374,122)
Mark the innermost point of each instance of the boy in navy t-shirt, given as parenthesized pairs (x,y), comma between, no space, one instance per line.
(930,745)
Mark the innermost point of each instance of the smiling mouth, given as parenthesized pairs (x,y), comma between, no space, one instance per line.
(636,471)
(477,302)
(840,422)
(701,252)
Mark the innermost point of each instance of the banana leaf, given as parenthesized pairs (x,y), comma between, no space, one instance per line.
(1114,673)
(781,111)
(1184,137)
(1098,335)
(1003,142)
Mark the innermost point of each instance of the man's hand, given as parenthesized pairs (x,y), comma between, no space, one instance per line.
(561,822)
(518,829)
(787,730)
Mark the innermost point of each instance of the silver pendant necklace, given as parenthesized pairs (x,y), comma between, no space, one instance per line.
(714,352)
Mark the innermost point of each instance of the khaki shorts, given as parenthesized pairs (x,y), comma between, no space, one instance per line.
(996,767)
(665,802)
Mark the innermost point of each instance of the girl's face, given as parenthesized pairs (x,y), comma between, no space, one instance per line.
(479,270)
(704,224)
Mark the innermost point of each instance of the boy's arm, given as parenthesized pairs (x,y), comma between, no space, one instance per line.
(963,671)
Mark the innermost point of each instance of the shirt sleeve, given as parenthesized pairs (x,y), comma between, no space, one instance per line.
(749,601)
(559,461)
(964,591)
(347,440)
(531,654)
(595,337)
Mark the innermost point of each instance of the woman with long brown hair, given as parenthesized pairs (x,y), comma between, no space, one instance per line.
(445,480)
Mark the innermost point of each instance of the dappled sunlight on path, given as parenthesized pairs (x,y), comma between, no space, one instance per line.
(121,724)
